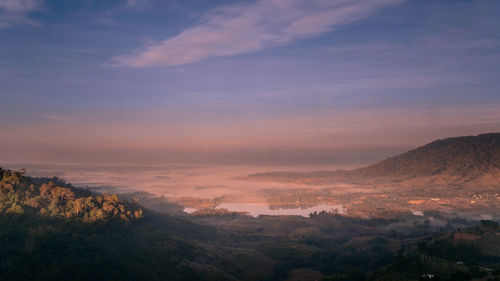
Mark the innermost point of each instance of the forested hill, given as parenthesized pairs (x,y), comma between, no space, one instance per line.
(50,230)
(460,156)
(53,197)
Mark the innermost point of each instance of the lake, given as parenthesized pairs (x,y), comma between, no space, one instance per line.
(256,209)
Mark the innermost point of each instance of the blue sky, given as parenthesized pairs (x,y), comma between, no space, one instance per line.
(264,81)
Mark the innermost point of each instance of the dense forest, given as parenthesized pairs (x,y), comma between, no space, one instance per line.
(53,197)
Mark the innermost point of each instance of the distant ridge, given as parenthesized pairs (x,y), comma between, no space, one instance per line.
(457,157)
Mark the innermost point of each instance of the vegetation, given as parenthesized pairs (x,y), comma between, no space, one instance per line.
(34,247)
(200,202)
(53,197)
(447,258)
(296,198)
(215,212)
(50,230)
(470,157)
(336,247)
(461,156)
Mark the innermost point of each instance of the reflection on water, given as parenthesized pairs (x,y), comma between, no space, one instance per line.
(256,209)
(486,217)
(418,213)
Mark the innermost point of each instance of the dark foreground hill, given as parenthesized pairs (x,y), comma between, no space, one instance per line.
(50,230)
(462,158)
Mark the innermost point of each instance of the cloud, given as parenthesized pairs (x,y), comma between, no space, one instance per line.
(54,117)
(106,21)
(19,5)
(13,12)
(138,4)
(244,28)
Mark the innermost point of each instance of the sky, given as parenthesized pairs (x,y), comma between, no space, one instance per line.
(258,82)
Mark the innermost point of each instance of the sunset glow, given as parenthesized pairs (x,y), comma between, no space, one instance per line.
(252,82)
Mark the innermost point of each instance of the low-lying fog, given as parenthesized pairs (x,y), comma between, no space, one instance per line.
(169,181)
(177,181)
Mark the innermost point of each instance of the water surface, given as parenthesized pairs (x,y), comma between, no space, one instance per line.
(256,209)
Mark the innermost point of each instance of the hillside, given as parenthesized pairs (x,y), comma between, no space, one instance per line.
(53,197)
(50,230)
(460,157)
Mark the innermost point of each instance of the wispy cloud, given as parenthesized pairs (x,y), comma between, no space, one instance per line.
(138,4)
(55,117)
(244,28)
(13,12)
(105,20)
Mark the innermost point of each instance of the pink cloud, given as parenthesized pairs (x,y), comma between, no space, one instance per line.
(239,29)
(56,117)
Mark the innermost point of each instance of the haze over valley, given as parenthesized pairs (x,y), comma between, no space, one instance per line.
(455,174)
(270,140)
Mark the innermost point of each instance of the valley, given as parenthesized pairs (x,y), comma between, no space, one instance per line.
(342,225)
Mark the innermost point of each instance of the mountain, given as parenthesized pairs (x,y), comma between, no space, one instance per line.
(460,158)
